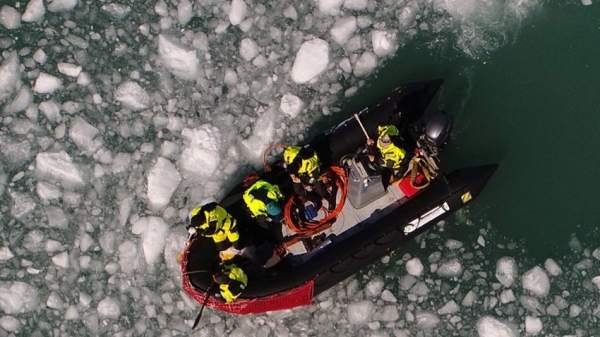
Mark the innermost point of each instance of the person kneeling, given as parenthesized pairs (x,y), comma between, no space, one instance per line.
(231,280)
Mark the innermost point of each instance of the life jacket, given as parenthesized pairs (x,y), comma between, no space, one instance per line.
(258,195)
(303,162)
(309,166)
(238,280)
(391,155)
(216,223)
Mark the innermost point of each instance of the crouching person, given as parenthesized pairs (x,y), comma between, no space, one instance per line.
(231,280)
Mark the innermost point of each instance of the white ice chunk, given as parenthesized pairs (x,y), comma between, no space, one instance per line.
(202,146)
(83,134)
(61,5)
(248,49)
(574,310)
(51,110)
(53,246)
(128,257)
(311,60)
(451,307)
(163,180)
(384,42)
(290,12)
(61,260)
(389,314)
(47,191)
(10,75)
(469,299)
(71,313)
(58,167)
(22,204)
(154,232)
(109,308)
(356,5)
(450,268)
(69,69)
(291,105)
(132,96)
(365,64)
(10,323)
(596,281)
(330,7)
(18,297)
(533,325)
(586,2)
(56,217)
(414,267)
(21,101)
(343,29)
(536,281)
(506,271)
(427,320)
(488,326)
(116,10)
(54,301)
(10,18)
(178,59)
(552,267)
(185,12)
(374,287)
(5,254)
(40,56)
(34,11)
(507,296)
(360,312)
(387,296)
(237,12)
(47,84)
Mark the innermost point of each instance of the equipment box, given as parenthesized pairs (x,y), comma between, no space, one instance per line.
(363,186)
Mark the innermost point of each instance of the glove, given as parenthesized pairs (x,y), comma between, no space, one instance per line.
(228,254)
(310,212)
(191,232)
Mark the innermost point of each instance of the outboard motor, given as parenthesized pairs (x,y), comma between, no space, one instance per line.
(437,129)
(434,137)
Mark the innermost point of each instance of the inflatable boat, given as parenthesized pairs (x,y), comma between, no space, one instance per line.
(372,216)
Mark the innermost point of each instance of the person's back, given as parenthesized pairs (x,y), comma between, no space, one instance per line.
(264,203)
(213,221)
(389,154)
(232,281)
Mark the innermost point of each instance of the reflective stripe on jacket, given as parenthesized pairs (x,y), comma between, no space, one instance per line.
(238,280)
(256,205)
(391,155)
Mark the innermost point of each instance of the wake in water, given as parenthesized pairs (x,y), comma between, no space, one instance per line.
(117,117)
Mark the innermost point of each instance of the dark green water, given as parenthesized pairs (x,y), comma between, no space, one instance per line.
(533,106)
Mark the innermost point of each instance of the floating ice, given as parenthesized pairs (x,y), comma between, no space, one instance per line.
(536,281)
(450,268)
(507,296)
(10,18)
(238,11)
(248,49)
(365,64)
(414,267)
(54,301)
(360,312)
(330,7)
(10,323)
(117,11)
(18,297)
(5,254)
(154,232)
(290,12)
(40,56)
(596,281)
(58,167)
(343,29)
(201,156)
(163,180)
(51,110)
(586,2)
(506,271)
(108,307)
(374,287)
(10,75)
(356,5)
(71,313)
(21,101)
(574,310)
(69,69)
(61,5)
(84,135)
(533,325)
(185,12)
(552,267)
(488,326)
(389,314)
(469,299)
(427,320)
(178,59)
(387,296)
(47,84)
(384,42)
(451,307)
(291,105)
(47,192)
(22,204)
(311,60)
(129,260)
(34,11)
(132,96)
(61,260)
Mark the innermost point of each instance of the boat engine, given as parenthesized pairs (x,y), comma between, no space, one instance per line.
(426,160)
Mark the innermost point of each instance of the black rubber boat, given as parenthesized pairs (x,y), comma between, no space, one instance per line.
(369,221)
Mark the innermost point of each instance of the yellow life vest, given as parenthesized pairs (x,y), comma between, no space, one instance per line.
(237,275)
(309,166)
(257,206)
(218,224)
(391,153)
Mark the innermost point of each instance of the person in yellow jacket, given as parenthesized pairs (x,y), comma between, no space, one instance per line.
(213,221)
(263,201)
(304,168)
(231,280)
(388,155)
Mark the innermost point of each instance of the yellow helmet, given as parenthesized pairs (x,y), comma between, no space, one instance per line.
(390,130)
(290,153)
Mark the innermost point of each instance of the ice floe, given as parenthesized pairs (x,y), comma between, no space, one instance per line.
(311,60)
